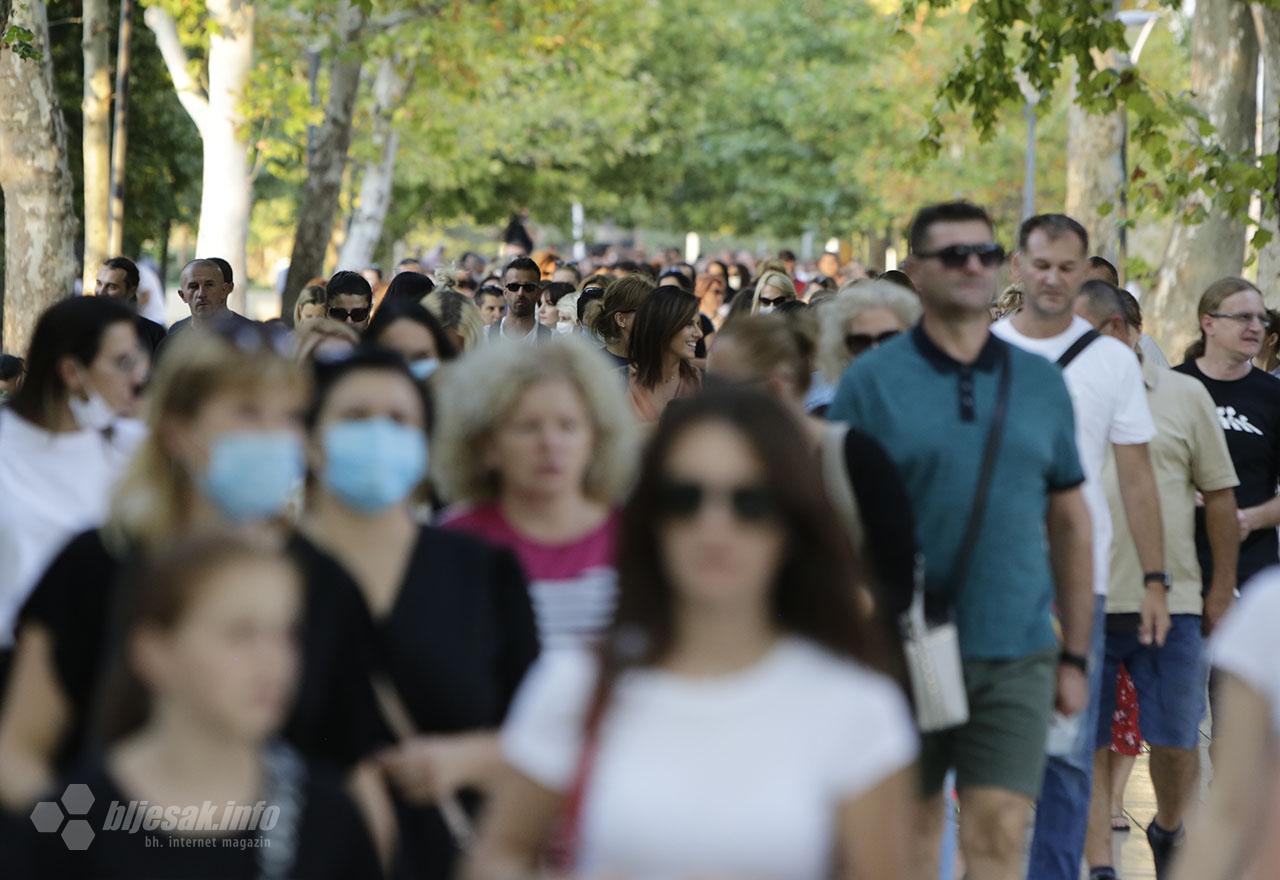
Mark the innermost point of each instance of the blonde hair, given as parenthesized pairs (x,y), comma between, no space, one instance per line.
(457,312)
(152,501)
(779,281)
(311,295)
(311,334)
(480,392)
(835,314)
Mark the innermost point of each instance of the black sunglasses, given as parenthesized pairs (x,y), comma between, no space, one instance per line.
(956,256)
(527,287)
(857,343)
(773,300)
(682,500)
(357,316)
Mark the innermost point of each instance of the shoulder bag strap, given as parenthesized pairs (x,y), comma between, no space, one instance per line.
(1076,347)
(960,573)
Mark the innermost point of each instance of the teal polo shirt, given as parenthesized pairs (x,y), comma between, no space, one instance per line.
(931,413)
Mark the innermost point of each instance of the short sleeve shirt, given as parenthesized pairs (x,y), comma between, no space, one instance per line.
(1189,454)
(932,414)
(1245,643)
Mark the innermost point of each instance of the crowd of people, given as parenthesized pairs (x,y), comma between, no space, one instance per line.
(642,569)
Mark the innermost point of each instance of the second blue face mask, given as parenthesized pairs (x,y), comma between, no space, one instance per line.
(253,474)
(372,464)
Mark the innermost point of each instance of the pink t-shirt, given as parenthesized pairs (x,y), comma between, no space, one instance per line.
(573,586)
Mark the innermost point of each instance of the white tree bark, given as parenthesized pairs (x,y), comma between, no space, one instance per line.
(370,214)
(1268,17)
(1224,59)
(1096,176)
(96,108)
(39,216)
(226,186)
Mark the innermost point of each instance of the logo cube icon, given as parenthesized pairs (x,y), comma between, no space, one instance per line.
(77,799)
(77,835)
(47,817)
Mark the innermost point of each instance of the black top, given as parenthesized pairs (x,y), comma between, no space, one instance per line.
(150,334)
(179,326)
(455,646)
(332,842)
(1249,411)
(887,521)
(334,718)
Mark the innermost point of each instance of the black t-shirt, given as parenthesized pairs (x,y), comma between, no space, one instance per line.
(332,842)
(1249,411)
(334,718)
(455,645)
(150,334)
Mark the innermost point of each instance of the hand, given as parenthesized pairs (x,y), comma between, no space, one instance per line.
(426,769)
(1153,617)
(1073,690)
(1216,604)
(1244,517)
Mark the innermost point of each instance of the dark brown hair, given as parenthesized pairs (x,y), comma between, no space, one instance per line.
(623,294)
(660,317)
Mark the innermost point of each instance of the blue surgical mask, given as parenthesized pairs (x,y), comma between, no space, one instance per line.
(422,369)
(253,475)
(372,464)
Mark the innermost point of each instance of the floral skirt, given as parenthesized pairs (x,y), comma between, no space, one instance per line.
(1126,738)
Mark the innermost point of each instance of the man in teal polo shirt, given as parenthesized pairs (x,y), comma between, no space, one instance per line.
(929,396)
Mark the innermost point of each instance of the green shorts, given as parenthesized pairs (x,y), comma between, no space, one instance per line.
(1003,743)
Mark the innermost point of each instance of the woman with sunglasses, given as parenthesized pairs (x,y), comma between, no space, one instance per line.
(711,735)
(224,451)
(859,318)
(772,290)
(192,709)
(767,351)
(453,630)
(662,351)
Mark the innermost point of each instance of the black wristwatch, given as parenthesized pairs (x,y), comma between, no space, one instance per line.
(1160,577)
(1079,661)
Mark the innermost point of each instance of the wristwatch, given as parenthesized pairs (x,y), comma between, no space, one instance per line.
(1160,577)
(1079,661)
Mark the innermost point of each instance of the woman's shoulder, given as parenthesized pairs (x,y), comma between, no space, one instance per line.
(830,676)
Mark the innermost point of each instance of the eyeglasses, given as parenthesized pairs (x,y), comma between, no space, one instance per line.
(682,500)
(1245,318)
(357,316)
(527,287)
(592,291)
(857,343)
(956,256)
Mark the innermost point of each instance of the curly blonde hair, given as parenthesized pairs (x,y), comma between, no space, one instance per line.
(479,392)
(835,314)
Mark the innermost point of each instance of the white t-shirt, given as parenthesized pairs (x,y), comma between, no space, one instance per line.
(52,487)
(1245,644)
(1110,403)
(733,776)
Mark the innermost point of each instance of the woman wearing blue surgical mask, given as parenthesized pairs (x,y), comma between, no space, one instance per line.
(453,627)
(225,450)
(414,333)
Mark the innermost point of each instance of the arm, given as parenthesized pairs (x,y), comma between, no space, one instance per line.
(428,769)
(1142,510)
(369,792)
(876,830)
(1263,516)
(1224,544)
(35,714)
(519,821)
(1070,552)
(1243,776)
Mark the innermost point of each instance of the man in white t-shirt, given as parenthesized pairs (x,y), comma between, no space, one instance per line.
(1111,411)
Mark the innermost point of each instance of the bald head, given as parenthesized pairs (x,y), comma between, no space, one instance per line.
(203,289)
(1103,305)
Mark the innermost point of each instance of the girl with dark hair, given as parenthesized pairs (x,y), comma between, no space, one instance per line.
(65,436)
(548,299)
(407,328)
(616,319)
(407,287)
(202,687)
(664,341)
(453,628)
(737,721)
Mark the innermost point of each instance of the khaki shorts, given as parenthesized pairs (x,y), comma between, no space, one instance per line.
(1003,743)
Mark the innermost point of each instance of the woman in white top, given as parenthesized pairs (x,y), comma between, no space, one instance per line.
(732,724)
(65,436)
(1238,825)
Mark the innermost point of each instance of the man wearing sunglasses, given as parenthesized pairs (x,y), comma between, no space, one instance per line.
(1112,416)
(959,409)
(348,298)
(521,282)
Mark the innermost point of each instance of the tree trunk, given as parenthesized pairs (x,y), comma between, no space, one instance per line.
(1096,176)
(120,141)
(375,190)
(1224,59)
(96,107)
(226,188)
(40,219)
(319,202)
(1268,18)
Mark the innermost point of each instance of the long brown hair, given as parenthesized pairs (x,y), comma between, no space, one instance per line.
(660,317)
(1210,301)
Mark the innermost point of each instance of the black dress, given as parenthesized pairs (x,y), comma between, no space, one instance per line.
(334,717)
(455,645)
(331,843)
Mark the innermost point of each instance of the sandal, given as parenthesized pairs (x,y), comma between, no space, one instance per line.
(1120,823)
